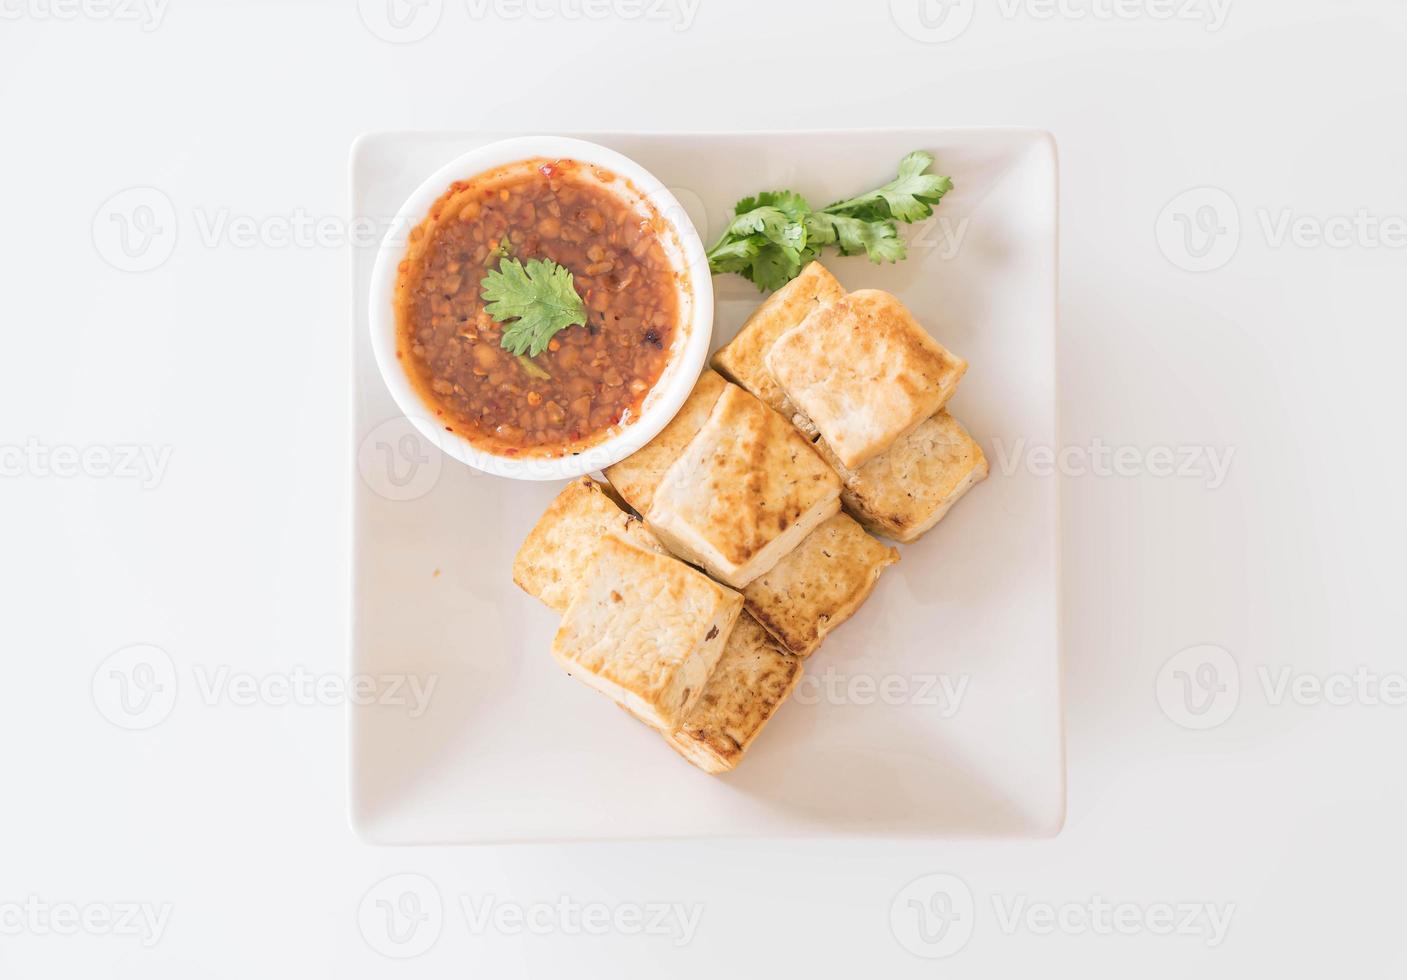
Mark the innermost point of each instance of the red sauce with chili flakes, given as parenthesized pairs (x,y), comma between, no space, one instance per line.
(592,378)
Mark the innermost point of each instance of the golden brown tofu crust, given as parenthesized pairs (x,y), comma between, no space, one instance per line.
(746,479)
(887,494)
(864,372)
(553,559)
(753,677)
(818,586)
(907,490)
(636,477)
(646,630)
(742,359)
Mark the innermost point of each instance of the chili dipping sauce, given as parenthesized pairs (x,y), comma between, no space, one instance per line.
(591,379)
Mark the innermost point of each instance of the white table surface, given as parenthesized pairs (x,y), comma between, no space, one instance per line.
(228,363)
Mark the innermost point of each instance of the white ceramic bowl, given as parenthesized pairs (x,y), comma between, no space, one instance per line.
(687,353)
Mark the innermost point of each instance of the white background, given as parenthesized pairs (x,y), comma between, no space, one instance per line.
(234,357)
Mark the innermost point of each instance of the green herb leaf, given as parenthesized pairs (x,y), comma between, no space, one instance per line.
(775,266)
(735,254)
(538,298)
(775,233)
(788,202)
(877,239)
(908,197)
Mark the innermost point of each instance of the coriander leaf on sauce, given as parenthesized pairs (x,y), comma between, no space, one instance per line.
(774,234)
(535,301)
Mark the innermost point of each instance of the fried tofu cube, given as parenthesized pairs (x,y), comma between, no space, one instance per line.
(898,494)
(646,630)
(636,476)
(552,562)
(819,585)
(905,491)
(753,677)
(746,491)
(864,372)
(742,359)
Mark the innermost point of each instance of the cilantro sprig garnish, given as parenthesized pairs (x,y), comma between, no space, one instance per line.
(534,301)
(774,234)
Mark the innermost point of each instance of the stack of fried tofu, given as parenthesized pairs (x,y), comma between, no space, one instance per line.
(858,376)
(719,558)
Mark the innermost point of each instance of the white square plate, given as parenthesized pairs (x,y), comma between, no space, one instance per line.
(935,712)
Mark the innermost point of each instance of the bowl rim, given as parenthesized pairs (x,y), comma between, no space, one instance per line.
(680,373)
